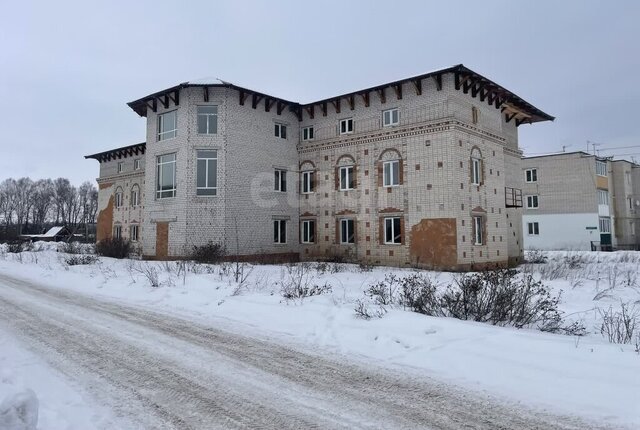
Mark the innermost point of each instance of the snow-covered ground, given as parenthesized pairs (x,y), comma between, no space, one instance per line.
(584,376)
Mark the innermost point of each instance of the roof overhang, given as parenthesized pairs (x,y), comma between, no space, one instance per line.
(125,151)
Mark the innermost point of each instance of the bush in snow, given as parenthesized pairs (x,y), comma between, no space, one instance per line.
(363,311)
(535,256)
(211,253)
(621,326)
(114,247)
(297,282)
(76,260)
(420,294)
(15,247)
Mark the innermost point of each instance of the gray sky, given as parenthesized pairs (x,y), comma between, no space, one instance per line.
(67,69)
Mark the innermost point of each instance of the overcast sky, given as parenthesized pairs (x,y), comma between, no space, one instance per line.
(67,69)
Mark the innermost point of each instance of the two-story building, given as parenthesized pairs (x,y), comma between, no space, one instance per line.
(425,171)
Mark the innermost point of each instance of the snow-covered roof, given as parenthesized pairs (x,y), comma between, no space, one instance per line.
(53,231)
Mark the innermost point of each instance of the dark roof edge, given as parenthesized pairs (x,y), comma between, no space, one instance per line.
(112,153)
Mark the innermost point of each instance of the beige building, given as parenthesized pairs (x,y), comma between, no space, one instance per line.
(424,172)
(579,201)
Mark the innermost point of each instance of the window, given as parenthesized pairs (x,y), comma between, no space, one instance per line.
(478,230)
(475,115)
(346,126)
(117,231)
(391,170)
(627,177)
(346,178)
(279,231)
(475,171)
(280,183)
(390,117)
(605,225)
(118,198)
(630,203)
(603,197)
(307,133)
(601,168)
(207,119)
(133,232)
(167,125)
(392,231)
(347,231)
(135,196)
(121,167)
(308,232)
(166,176)
(632,227)
(137,164)
(207,172)
(531,175)
(308,185)
(281,131)
(533,228)
(532,202)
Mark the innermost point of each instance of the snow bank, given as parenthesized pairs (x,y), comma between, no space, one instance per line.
(19,411)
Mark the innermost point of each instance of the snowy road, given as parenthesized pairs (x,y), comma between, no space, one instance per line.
(161,372)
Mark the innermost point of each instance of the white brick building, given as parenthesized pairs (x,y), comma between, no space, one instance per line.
(424,172)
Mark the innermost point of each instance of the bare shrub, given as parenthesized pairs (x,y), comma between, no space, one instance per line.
(70,248)
(150,272)
(298,283)
(420,295)
(114,248)
(535,256)
(363,311)
(211,253)
(364,267)
(385,292)
(77,260)
(15,247)
(620,326)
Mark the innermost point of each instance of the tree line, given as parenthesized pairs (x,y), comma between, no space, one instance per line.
(31,207)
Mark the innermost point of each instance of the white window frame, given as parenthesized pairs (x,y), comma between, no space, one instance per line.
(280,231)
(533,228)
(604,225)
(396,237)
(120,166)
(117,231)
(307,133)
(348,178)
(531,199)
(478,230)
(119,197)
(211,126)
(280,180)
(603,197)
(345,126)
(308,185)
(531,175)
(160,166)
(308,231)
(207,191)
(135,196)
(134,228)
(167,134)
(280,130)
(601,168)
(347,231)
(390,167)
(632,228)
(476,170)
(388,117)
(137,164)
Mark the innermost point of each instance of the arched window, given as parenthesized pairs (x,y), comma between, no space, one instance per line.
(346,173)
(390,168)
(135,195)
(118,196)
(307,177)
(476,168)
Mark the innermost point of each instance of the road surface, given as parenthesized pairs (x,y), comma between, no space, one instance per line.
(162,372)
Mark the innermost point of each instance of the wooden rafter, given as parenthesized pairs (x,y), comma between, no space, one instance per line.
(164,100)
(299,113)
(324,108)
(154,105)
(352,101)
(382,95)
(280,107)
(175,97)
(398,90)
(438,79)
(243,97)
(336,105)
(268,102)
(417,83)
(468,84)
(365,98)
(255,99)
(510,117)
(205,91)
(310,111)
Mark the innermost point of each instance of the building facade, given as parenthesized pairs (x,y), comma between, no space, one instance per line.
(577,201)
(424,172)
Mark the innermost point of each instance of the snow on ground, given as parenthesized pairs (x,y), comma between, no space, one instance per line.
(585,376)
